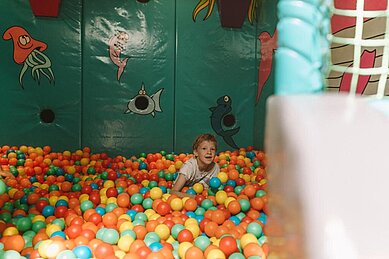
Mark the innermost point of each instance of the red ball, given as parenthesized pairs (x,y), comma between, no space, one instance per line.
(163,208)
(228,245)
(40,204)
(185,236)
(60,211)
(111,192)
(86,189)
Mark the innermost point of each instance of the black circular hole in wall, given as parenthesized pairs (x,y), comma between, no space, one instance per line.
(229,120)
(141,103)
(143,1)
(47,116)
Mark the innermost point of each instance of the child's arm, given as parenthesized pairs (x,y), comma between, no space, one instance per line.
(6,174)
(176,189)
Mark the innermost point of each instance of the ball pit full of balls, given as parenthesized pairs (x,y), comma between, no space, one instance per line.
(68,205)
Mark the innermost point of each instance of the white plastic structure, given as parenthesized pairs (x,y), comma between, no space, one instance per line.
(328,177)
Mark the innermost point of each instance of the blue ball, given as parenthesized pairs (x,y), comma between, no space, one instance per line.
(132,214)
(94,186)
(58,233)
(156,246)
(143,190)
(191,214)
(48,210)
(82,252)
(61,203)
(235,219)
(100,210)
(163,188)
(231,183)
(191,191)
(215,182)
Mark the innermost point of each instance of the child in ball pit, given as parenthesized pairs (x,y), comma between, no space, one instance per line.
(199,169)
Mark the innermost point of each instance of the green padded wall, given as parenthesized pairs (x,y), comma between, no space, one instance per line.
(20,109)
(184,67)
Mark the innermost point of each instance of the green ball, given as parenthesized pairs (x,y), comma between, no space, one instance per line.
(76,187)
(23,224)
(169,176)
(256,163)
(152,184)
(104,175)
(244,204)
(255,229)
(110,207)
(176,229)
(91,170)
(87,204)
(37,225)
(136,198)
(260,193)
(128,232)
(236,256)
(200,211)
(170,157)
(206,204)
(161,174)
(142,155)
(238,189)
(163,152)
(59,222)
(140,216)
(53,187)
(5,216)
(202,242)
(147,203)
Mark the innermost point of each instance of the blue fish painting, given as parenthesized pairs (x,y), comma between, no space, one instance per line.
(219,112)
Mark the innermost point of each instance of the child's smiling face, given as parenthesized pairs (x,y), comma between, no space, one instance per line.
(205,153)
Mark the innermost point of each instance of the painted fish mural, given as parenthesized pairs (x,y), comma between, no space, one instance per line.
(143,104)
(29,52)
(116,45)
(219,113)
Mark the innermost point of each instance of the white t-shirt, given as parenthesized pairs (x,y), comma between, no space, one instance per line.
(190,170)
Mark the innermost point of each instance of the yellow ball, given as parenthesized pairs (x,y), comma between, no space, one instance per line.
(223,177)
(176,204)
(51,228)
(103,191)
(120,254)
(12,192)
(216,253)
(71,169)
(246,239)
(38,218)
(125,242)
(125,226)
(43,247)
(44,186)
(221,197)
(162,231)
(154,216)
(195,229)
(198,187)
(62,197)
(126,217)
(103,199)
(178,164)
(109,183)
(84,161)
(183,247)
(112,200)
(190,221)
(228,200)
(10,231)
(149,212)
(145,183)
(172,169)
(165,196)
(156,193)
(83,197)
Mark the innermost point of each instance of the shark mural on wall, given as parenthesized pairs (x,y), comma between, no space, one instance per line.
(222,117)
(116,46)
(143,104)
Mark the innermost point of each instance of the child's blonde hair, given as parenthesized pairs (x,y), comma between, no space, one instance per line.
(202,138)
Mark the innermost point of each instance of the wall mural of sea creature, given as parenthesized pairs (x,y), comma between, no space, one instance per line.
(143,104)
(222,117)
(117,44)
(29,52)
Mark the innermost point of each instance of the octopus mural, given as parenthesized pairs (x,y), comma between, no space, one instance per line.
(116,45)
(29,52)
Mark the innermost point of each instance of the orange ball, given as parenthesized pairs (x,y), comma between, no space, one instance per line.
(123,200)
(253,249)
(194,253)
(103,250)
(218,216)
(234,207)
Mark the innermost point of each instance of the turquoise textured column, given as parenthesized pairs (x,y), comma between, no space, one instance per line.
(303,48)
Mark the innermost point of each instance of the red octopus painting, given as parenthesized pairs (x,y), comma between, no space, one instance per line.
(29,52)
